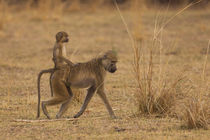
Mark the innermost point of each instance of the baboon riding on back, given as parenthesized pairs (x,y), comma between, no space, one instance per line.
(89,75)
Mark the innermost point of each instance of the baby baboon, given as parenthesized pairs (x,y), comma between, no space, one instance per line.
(59,54)
(89,75)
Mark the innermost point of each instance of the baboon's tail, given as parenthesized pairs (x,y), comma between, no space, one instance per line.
(51,83)
(38,86)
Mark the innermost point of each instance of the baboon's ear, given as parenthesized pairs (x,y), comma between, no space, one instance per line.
(59,36)
(105,56)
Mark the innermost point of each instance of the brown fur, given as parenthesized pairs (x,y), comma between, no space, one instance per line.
(89,75)
(60,62)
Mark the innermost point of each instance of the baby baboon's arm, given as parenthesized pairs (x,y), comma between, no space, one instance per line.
(66,60)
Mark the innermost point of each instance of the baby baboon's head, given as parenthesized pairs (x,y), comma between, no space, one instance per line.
(62,37)
(109,61)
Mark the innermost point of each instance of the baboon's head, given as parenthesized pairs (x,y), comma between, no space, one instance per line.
(62,37)
(109,61)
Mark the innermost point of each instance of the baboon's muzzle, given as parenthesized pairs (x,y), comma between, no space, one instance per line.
(112,70)
(66,40)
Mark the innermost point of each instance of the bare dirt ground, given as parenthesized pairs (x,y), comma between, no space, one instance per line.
(26,47)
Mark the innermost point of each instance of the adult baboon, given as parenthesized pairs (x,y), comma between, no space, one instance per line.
(59,54)
(89,75)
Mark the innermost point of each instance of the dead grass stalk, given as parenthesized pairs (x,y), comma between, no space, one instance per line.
(196,112)
(153,96)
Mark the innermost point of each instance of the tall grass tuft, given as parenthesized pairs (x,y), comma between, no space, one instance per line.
(156,94)
(196,113)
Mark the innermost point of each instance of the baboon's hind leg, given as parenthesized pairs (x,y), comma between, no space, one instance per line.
(66,93)
(50,102)
(63,108)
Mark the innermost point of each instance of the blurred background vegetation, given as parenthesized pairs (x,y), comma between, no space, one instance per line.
(78,4)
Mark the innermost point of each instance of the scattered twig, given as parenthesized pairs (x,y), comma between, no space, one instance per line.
(44,120)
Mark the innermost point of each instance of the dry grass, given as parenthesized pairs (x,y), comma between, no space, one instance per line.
(3,14)
(78,96)
(155,93)
(196,108)
(196,113)
(153,96)
(26,48)
(49,9)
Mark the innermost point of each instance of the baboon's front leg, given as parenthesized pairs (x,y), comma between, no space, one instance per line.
(87,100)
(106,102)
